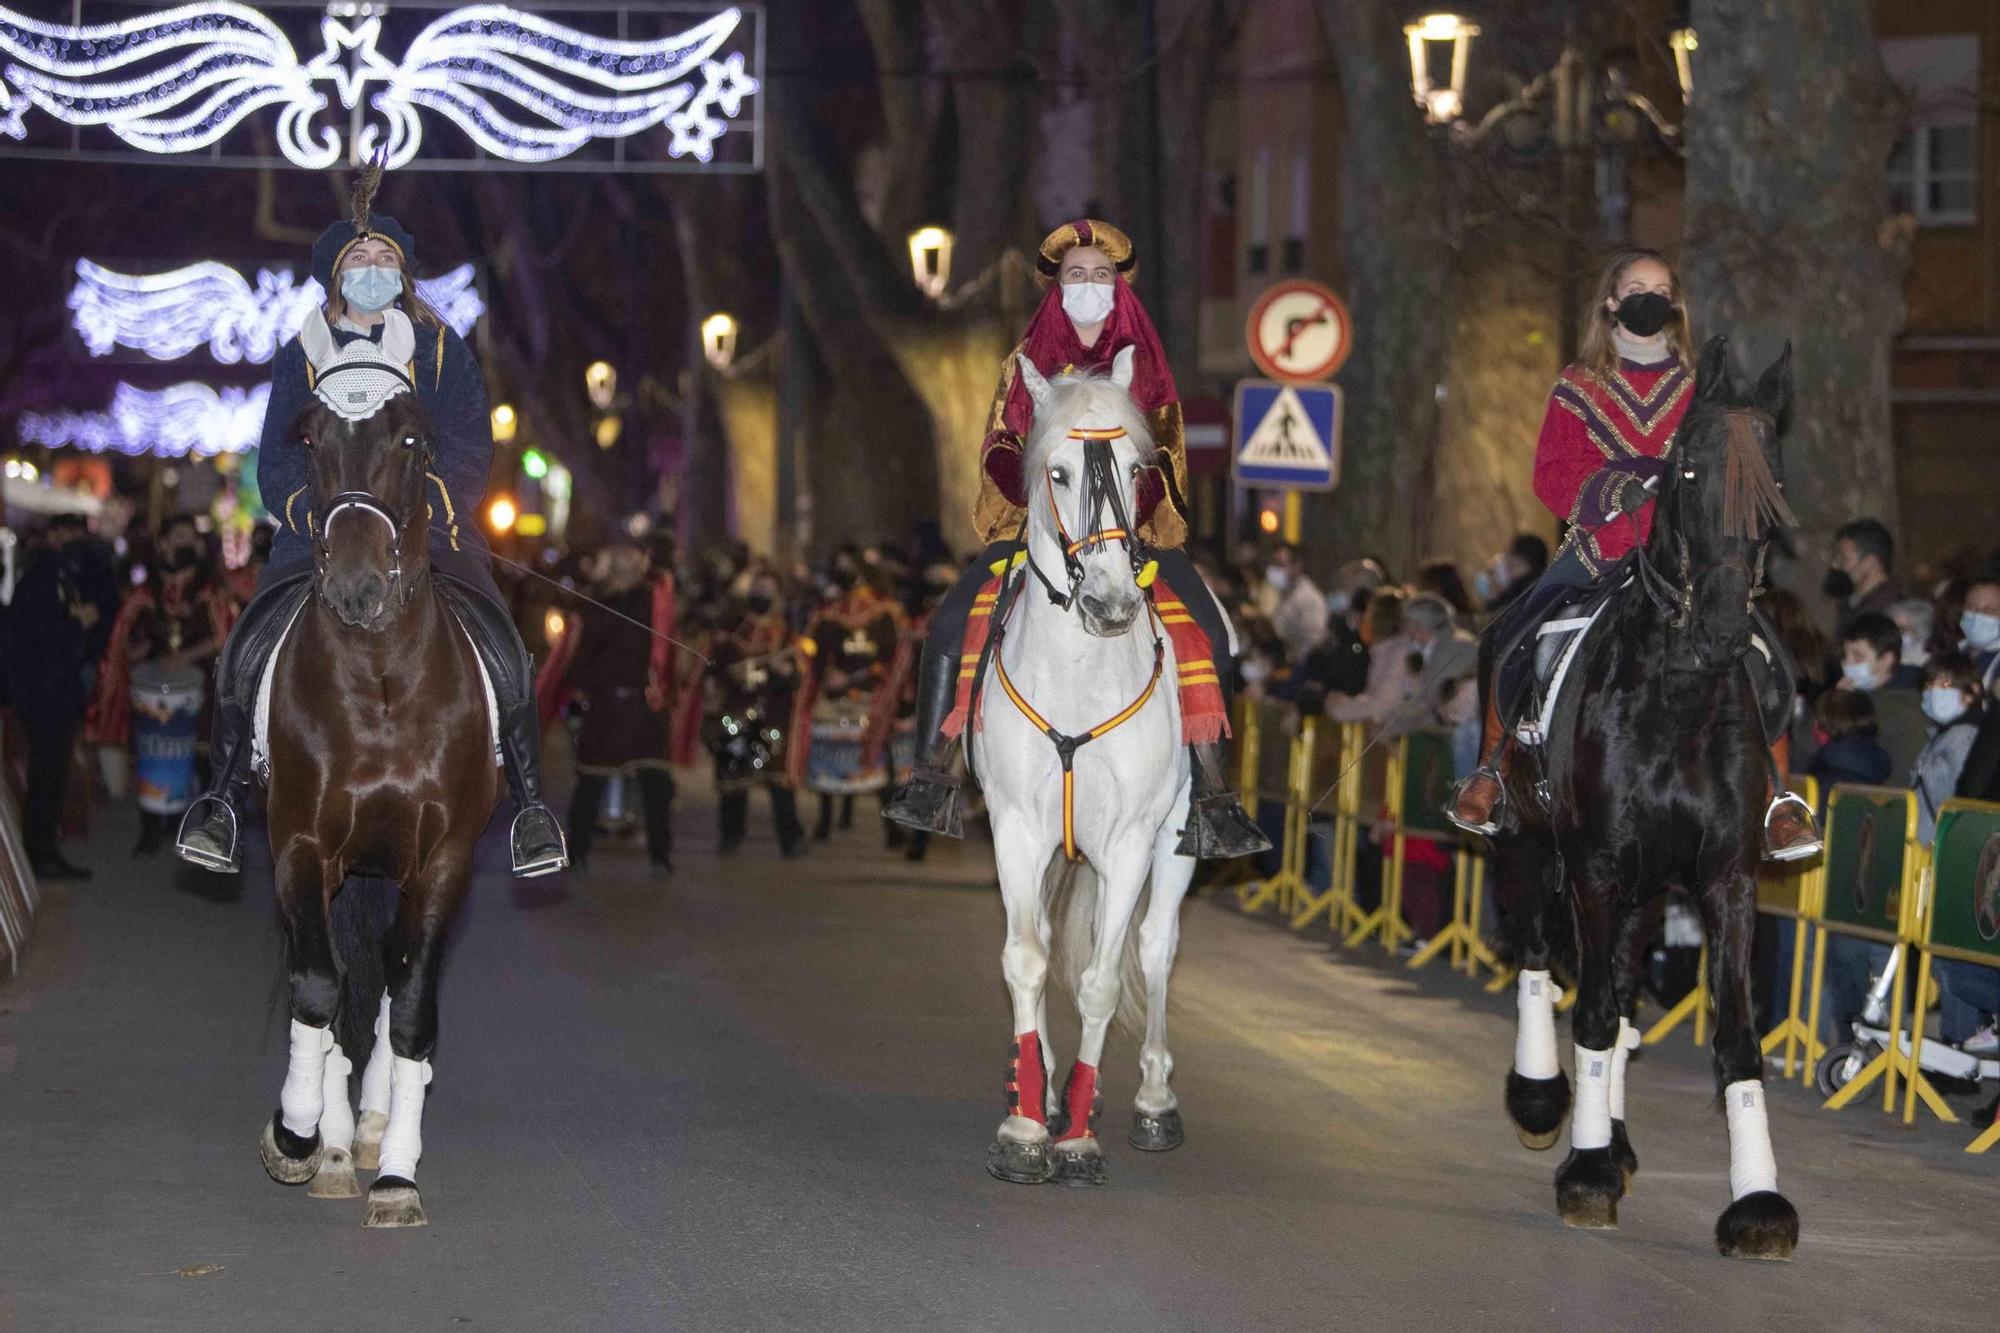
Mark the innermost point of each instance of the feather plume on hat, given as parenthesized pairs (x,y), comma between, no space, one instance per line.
(366,182)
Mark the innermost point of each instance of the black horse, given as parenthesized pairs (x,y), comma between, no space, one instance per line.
(1654,777)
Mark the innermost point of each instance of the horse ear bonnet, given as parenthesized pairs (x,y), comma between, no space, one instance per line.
(355,379)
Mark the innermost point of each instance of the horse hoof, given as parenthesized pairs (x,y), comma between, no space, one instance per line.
(1763,1225)
(1020,1163)
(1588,1186)
(393,1202)
(1156,1133)
(1078,1166)
(368,1139)
(1622,1154)
(290,1159)
(335,1178)
(1537,1106)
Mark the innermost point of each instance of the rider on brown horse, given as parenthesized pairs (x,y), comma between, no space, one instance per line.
(364,264)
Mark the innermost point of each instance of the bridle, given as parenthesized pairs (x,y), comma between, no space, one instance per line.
(1675,597)
(367,502)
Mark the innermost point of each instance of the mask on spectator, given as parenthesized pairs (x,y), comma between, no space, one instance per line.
(1278,577)
(1483,585)
(1914,652)
(1645,313)
(1860,675)
(1256,671)
(1838,584)
(1339,603)
(760,602)
(1943,705)
(1981,631)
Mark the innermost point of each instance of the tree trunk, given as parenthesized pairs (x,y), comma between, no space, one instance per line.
(1394,246)
(1790,238)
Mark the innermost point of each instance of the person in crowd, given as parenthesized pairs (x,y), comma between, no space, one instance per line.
(850,647)
(1441,579)
(1871,656)
(607,660)
(365,264)
(1812,658)
(1979,624)
(1513,571)
(1611,419)
(1861,578)
(181,614)
(1954,701)
(1338,663)
(1089,316)
(1300,614)
(1916,621)
(50,626)
(1849,750)
(1390,682)
(242,582)
(750,691)
(1441,651)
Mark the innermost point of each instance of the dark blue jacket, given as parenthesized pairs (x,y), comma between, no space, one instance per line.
(453,393)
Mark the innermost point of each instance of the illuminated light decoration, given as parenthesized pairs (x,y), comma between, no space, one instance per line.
(718,339)
(531,525)
(175,422)
(600,381)
(500,515)
(930,260)
(521,87)
(1267,520)
(607,430)
(1683,43)
(1446,37)
(535,464)
(505,423)
(553,624)
(168,315)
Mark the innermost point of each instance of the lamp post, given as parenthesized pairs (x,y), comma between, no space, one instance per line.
(930,260)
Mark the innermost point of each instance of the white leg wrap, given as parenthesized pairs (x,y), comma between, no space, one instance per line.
(375,1079)
(336,1117)
(403,1143)
(1590,1117)
(1628,1042)
(1752,1167)
(1535,1030)
(305,1076)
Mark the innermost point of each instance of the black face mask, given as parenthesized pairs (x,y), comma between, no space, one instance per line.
(1644,313)
(844,579)
(1838,583)
(759,603)
(178,559)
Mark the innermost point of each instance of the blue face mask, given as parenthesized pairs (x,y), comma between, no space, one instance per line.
(1860,675)
(1943,705)
(371,290)
(1981,630)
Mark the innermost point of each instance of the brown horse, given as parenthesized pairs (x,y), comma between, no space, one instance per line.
(381,764)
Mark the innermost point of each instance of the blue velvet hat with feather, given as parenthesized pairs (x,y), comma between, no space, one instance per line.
(363,224)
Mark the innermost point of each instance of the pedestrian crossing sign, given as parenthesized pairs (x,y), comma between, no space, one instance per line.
(1288,435)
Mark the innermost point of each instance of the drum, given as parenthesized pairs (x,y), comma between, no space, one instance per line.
(166,712)
(834,766)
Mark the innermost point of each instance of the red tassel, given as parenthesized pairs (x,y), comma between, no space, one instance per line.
(978,628)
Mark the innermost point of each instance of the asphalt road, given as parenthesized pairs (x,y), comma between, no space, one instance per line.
(759,1096)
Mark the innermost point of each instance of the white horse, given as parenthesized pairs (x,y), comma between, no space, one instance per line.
(1084,671)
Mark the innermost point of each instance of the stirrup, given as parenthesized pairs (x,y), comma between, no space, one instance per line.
(1803,850)
(1218,828)
(225,860)
(1492,824)
(544,862)
(930,802)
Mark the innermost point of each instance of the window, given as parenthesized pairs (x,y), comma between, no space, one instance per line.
(1934,170)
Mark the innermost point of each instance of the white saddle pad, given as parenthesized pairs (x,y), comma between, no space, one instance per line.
(260,755)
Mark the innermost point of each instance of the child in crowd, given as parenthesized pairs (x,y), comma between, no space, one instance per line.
(1844,725)
(1871,664)
(1954,701)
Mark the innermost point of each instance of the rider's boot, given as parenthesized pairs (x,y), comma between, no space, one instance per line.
(1790,831)
(535,843)
(932,800)
(1218,826)
(1481,798)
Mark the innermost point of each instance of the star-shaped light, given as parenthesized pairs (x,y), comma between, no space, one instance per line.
(695,131)
(725,84)
(349,72)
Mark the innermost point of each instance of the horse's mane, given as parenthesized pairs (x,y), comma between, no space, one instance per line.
(1076,398)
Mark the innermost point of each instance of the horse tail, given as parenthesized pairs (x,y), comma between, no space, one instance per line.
(1070,903)
(361,917)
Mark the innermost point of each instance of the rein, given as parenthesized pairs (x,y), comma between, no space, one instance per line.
(1100,491)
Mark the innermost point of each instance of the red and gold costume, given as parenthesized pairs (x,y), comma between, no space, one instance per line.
(1052,345)
(179,619)
(1600,437)
(851,654)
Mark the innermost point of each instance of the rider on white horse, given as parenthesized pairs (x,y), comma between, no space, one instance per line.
(1089,316)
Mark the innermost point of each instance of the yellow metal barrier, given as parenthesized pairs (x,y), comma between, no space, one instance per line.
(1958,917)
(1285,889)
(1791,892)
(1872,891)
(1692,1005)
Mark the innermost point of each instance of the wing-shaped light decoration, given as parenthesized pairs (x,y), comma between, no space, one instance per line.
(172,82)
(168,315)
(174,422)
(523,88)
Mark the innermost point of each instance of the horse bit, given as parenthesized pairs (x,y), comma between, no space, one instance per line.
(365,501)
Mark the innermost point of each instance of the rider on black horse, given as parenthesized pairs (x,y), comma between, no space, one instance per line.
(364,264)
(1603,448)
(1089,315)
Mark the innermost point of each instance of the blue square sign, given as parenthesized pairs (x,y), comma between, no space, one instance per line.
(1288,435)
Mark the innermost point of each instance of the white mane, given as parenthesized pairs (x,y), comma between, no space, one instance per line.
(1085,400)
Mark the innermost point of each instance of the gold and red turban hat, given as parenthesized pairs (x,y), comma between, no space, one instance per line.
(1115,244)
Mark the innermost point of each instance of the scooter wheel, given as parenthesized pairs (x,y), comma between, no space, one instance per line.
(1839,1065)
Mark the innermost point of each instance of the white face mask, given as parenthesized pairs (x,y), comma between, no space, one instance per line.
(1278,577)
(1339,603)
(1860,675)
(1256,671)
(1087,302)
(1981,630)
(1914,652)
(1944,705)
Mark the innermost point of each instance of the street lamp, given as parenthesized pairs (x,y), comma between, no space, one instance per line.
(505,424)
(1440,44)
(500,515)
(718,339)
(602,383)
(1683,43)
(930,260)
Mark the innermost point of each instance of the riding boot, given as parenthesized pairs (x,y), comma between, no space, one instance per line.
(1481,798)
(932,800)
(1218,826)
(209,834)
